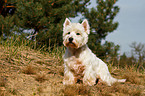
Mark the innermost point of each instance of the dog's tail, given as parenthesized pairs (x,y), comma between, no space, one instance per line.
(105,75)
(113,80)
(121,80)
(110,80)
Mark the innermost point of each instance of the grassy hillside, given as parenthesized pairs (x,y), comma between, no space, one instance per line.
(28,72)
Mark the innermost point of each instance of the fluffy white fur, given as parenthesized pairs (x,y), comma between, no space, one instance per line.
(79,61)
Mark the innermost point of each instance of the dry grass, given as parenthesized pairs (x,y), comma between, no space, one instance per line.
(12,91)
(27,72)
(2,86)
(124,89)
(40,90)
(41,77)
(134,77)
(3,81)
(73,90)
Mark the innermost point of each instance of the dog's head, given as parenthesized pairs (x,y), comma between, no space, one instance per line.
(75,35)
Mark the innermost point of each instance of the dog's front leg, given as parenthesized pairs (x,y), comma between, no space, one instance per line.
(89,78)
(69,78)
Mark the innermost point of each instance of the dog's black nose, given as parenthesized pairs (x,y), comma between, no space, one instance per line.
(70,40)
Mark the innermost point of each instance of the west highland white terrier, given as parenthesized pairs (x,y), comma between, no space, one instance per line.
(80,64)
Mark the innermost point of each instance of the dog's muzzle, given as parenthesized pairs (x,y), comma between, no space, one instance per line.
(71,43)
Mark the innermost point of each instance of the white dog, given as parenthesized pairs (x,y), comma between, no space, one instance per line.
(79,62)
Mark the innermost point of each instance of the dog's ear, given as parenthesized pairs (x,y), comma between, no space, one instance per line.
(86,26)
(67,22)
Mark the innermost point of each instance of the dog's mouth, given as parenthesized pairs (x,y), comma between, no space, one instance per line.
(71,44)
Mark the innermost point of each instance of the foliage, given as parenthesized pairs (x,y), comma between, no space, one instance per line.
(108,50)
(6,25)
(47,17)
(138,51)
(137,58)
(101,24)
(7,21)
(101,18)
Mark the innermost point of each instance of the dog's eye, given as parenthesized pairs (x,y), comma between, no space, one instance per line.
(78,33)
(68,33)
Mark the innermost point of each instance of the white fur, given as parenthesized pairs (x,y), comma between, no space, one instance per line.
(79,61)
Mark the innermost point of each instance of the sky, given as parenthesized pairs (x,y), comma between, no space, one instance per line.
(131,18)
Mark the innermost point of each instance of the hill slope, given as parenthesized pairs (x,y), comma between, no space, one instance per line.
(27,72)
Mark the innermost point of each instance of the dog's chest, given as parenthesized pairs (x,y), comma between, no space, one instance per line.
(76,66)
